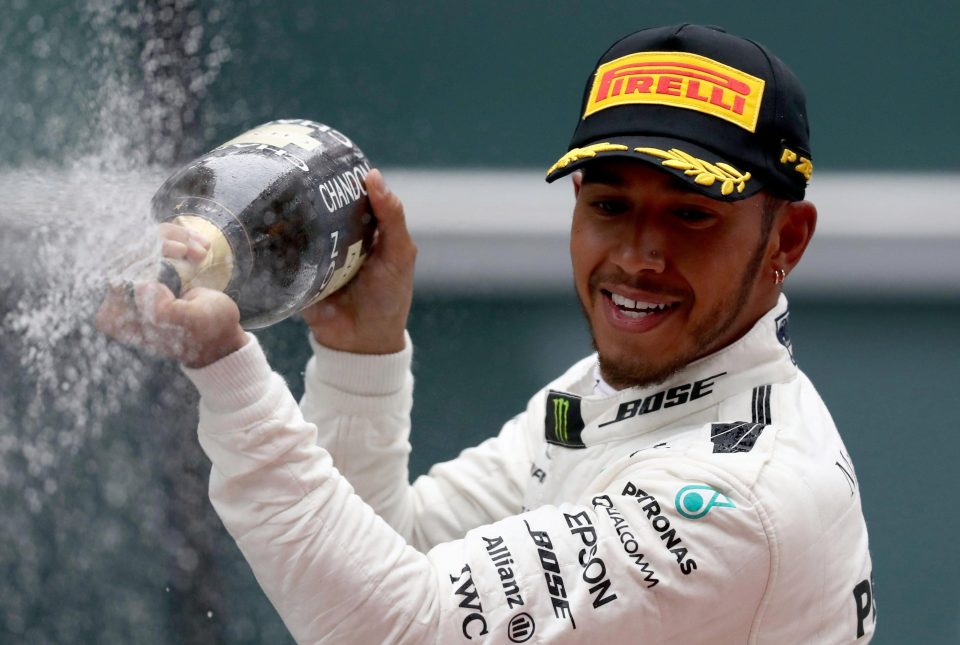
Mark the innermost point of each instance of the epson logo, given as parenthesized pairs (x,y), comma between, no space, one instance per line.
(594,568)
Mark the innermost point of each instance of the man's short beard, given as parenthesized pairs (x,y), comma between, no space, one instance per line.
(634,371)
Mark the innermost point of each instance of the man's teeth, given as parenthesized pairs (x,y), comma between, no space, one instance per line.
(637,308)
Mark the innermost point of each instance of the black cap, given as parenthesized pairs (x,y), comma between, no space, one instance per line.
(717,110)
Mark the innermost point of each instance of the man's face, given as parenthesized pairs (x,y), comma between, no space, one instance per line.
(665,275)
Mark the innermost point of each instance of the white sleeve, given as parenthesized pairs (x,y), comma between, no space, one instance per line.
(361,408)
(619,564)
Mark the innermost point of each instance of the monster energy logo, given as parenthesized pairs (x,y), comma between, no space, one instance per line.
(561,410)
(563,421)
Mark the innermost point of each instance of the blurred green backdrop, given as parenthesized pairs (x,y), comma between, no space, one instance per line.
(461,85)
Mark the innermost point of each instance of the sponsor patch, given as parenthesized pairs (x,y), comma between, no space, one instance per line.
(521,628)
(696,500)
(502,561)
(627,538)
(677,395)
(866,604)
(474,624)
(594,568)
(739,436)
(556,588)
(661,524)
(563,423)
(783,333)
(678,79)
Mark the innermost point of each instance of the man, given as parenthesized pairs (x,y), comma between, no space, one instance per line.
(685,484)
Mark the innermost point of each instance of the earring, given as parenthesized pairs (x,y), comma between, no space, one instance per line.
(779,275)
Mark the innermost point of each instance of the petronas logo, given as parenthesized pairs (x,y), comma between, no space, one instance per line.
(563,422)
(561,412)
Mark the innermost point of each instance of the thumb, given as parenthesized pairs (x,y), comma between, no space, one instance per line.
(394,238)
(153,299)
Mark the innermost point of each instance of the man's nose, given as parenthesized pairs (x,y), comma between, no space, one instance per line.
(643,248)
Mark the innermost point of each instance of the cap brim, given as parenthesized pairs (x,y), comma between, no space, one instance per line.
(702,169)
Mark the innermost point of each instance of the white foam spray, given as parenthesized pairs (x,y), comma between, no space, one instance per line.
(75,202)
(103,98)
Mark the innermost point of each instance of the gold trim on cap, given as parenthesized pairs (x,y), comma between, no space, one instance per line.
(703,172)
(585,152)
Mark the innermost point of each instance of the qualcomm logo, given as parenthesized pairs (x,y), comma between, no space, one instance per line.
(695,501)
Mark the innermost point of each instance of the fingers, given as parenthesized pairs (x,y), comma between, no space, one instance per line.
(130,316)
(198,329)
(155,302)
(395,243)
(182,242)
(118,317)
(192,251)
(136,318)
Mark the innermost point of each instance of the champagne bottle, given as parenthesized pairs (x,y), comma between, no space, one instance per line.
(285,208)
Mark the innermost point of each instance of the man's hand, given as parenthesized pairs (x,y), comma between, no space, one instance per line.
(180,242)
(198,329)
(201,327)
(369,315)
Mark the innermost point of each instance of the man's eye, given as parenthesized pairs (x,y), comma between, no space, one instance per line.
(693,216)
(610,206)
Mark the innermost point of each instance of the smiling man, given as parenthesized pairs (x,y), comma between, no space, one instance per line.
(685,484)
(667,275)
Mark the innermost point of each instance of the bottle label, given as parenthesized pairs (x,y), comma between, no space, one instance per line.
(336,278)
(345,188)
(293,140)
(278,135)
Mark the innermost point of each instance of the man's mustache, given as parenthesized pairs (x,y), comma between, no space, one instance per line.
(641,282)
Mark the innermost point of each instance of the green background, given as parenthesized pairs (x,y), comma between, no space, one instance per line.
(491,84)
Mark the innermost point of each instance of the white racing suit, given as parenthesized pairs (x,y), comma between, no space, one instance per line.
(717,507)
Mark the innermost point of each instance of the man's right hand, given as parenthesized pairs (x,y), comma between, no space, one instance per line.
(369,315)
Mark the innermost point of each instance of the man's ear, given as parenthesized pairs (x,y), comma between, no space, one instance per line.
(577,179)
(792,232)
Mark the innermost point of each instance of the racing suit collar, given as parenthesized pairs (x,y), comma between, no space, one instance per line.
(762,356)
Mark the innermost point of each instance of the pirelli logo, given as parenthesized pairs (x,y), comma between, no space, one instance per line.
(678,79)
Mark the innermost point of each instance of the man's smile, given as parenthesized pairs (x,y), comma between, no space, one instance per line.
(636,312)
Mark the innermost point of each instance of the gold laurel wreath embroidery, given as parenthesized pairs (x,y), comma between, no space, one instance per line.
(703,172)
(584,153)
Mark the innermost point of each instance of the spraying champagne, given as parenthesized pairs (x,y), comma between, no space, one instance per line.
(285,209)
